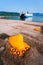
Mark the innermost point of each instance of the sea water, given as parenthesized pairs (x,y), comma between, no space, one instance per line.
(37,17)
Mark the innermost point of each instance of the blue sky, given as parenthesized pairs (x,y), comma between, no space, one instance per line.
(21,5)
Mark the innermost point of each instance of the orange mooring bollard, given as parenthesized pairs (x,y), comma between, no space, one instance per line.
(18,46)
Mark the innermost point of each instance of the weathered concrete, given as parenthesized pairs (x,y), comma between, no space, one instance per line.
(34,38)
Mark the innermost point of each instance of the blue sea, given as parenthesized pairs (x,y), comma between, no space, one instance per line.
(37,17)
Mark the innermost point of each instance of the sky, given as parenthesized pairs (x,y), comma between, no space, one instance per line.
(21,5)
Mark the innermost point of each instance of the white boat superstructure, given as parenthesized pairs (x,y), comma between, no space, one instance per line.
(28,14)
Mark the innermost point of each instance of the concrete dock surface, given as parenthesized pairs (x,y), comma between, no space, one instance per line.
(34,38)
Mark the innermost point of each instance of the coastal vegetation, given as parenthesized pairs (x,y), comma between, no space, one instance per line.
(8,15)
(2,13)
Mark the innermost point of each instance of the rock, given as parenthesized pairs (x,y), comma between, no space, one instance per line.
(4,36)
(2,45)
